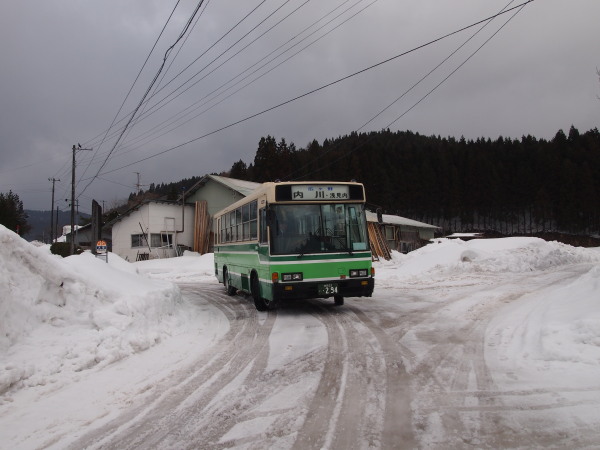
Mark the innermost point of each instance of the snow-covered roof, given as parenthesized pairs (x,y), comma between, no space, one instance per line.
(398,220)
(241,186)
(138,206)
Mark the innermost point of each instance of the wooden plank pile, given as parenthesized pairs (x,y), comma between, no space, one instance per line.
(202,227)
(379,246)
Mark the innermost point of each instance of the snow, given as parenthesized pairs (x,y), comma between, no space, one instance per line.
(70,325)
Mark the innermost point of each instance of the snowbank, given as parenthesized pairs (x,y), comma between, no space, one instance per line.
(61,316)
(190,268)
(447,256)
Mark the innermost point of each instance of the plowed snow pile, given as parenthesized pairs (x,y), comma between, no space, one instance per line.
(60,316)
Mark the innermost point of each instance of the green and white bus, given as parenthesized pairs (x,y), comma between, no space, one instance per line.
(295,240)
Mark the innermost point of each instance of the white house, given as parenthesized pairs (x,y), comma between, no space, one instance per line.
(153,229)
(163,229)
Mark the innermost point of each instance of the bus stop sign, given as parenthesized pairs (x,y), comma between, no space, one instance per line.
(101,247)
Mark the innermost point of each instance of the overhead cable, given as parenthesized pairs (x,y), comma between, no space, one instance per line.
(185,28)
(322,87)
(362,144)
(133,84)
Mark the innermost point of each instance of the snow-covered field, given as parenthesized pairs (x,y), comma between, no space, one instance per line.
(508,328)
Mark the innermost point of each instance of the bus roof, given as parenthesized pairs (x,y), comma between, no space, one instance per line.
(267,190)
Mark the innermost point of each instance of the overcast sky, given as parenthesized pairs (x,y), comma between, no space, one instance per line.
(68,66)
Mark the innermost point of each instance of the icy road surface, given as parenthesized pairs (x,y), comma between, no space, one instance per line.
(489,344)
(410,368)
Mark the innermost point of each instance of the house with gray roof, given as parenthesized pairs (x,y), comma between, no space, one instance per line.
(400,233)
(163,229)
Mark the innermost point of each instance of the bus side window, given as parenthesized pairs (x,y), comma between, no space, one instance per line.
(263,225)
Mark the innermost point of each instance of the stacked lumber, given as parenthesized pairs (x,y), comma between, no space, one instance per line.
(202,230)
(379,246)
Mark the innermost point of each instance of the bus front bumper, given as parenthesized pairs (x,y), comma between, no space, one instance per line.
(362,287)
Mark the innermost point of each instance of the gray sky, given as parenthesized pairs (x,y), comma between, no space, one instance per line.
(68,66)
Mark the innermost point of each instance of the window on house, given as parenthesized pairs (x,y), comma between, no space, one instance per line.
(161,239)
(389,233)
(138,240)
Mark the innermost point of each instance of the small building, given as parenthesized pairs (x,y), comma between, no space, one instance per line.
(399,233)
(163,229)
(219,192)
(153,229)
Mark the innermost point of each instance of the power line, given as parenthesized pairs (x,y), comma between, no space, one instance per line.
(138,119)
(432,70)
(134,82)
(165,124)
(185,28)
(403,94)
(322,87)
(520,8)
(122,130)
(203,53)
(200,102)
(156,106)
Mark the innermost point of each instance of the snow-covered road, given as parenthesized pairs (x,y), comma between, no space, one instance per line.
(464,345)
(309,375)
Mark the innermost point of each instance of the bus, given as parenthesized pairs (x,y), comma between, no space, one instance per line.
(294,241)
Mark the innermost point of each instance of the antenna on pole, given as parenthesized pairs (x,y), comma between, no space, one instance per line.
(138,185)
(76,148)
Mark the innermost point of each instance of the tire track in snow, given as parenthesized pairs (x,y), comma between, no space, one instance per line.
(458,402)
(158,421)
(361,400)
(397,428)
(323,406)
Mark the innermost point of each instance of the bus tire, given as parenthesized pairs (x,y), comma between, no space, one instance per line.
(338,299)
(231,290)
(259,303)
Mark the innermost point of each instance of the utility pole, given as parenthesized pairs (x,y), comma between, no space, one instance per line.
(56,224)
(138,185)
(76,148)
(54,180)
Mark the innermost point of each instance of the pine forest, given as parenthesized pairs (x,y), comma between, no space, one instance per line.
(507,186)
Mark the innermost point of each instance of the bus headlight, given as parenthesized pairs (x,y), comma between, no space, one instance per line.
(291,276)
(356,273)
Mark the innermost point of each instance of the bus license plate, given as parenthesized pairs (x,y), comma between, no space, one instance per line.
(328,288)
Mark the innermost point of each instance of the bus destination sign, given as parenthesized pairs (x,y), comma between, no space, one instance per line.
(304,192)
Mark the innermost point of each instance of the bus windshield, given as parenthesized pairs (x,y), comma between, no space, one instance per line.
(318,228)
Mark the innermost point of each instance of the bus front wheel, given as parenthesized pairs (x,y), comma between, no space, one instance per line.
(260,303)
(231,290)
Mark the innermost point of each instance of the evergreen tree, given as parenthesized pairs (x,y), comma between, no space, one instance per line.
(265,161)
(12,215)
(239,170)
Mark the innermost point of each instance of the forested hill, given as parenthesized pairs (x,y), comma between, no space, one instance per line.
(506,185)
